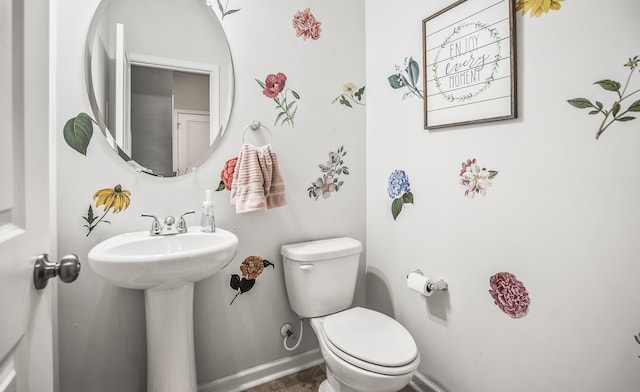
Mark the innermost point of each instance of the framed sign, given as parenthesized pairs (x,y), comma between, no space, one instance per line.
(469,59)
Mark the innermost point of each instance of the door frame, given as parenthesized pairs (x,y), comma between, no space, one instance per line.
(27,358)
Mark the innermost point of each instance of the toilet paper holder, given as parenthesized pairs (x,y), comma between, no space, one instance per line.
(439,285)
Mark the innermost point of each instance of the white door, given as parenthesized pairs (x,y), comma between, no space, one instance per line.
(26,349)
(193,139)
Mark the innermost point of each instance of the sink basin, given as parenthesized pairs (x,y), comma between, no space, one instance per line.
(166,268)
(141,261)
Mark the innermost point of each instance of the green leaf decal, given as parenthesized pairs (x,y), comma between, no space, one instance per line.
(414,71)
(609,85)
(615,109)
(397,81)
(407,197)
(492,173)
(235,281)
(625,118)
(396,207)
(267,263)
(635,107)
(78,132)
(246,284)
(580,103)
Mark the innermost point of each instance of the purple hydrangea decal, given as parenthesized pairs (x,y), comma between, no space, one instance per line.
(509,294)
(400,191)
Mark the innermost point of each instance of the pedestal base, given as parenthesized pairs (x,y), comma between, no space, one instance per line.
(170,347)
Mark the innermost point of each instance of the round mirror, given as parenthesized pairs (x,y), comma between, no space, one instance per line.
(160,81)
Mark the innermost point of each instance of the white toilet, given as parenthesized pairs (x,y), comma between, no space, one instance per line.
(364,350)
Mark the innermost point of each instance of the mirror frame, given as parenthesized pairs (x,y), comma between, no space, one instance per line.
(100,116)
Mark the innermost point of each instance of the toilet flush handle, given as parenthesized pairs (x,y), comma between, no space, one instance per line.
(305,267)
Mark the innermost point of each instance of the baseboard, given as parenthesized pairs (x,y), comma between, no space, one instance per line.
(420,383)
(261,374)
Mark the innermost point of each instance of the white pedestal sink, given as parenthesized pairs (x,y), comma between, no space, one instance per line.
(166,268)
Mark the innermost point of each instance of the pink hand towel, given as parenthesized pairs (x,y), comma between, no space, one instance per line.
(257,182)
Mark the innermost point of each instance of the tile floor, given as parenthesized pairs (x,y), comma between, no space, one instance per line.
(303,381)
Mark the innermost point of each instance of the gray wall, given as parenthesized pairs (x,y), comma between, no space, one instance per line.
(561,214)
(102,327)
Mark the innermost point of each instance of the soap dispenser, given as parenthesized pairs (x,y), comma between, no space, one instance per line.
(207,220)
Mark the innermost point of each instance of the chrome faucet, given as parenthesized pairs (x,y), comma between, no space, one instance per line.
(156,227)
(170,226)
(182,224)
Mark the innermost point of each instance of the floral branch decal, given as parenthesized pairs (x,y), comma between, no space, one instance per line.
(251,268)
(537,7)
(637,337)
(350,93)
(224,11)
(400,191)
(329,182)
(78,131)
(306,25)
(273,87)
(615,111)
(114,198)
(475,179)
(226,175)
(509,294)
(407,77)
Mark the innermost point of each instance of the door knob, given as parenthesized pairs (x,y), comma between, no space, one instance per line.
(67,270)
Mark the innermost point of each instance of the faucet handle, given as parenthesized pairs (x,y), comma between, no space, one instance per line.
(182,224)
(156,228)
(169,221)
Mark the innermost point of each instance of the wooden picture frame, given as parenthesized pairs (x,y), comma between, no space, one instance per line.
(469,64)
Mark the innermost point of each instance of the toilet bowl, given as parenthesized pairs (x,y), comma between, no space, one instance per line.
(364,350)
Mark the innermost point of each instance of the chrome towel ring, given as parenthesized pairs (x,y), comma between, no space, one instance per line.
(254,126)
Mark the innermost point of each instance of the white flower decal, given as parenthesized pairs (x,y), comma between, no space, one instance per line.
(475,179)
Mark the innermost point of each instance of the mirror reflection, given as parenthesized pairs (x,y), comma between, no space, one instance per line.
(160,81)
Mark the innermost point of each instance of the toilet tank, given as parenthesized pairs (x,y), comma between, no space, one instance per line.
(321,275)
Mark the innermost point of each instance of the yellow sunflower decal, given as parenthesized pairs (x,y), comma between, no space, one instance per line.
(537,7)
(115,197)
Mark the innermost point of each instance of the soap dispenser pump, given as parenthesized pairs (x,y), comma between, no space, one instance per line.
(207,220)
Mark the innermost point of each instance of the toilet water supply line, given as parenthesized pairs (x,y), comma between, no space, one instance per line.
(289,334)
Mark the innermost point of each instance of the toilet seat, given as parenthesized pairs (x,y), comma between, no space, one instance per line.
(370,340)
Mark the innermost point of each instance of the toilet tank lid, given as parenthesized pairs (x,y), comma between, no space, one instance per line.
(321,249)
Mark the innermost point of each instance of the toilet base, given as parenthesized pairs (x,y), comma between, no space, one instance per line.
(332,384)
(325,387)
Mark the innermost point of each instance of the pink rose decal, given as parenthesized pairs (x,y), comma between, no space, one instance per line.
(306,25)
(274,84)
(509,294)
